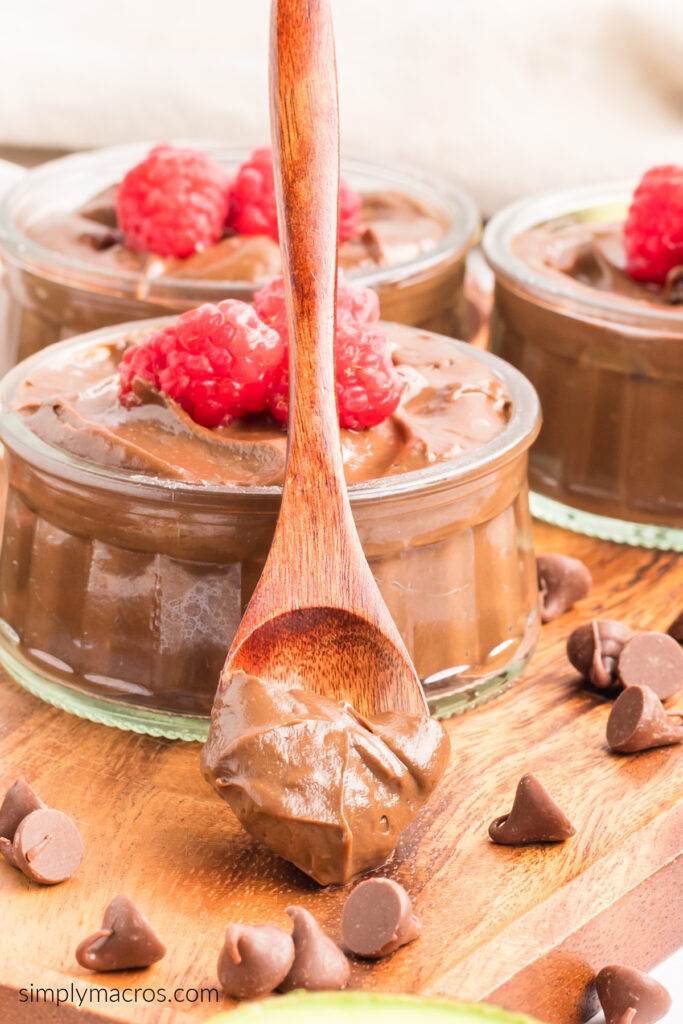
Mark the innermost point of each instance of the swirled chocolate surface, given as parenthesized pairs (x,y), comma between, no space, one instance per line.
(592,254)
(396,228)
(451,404)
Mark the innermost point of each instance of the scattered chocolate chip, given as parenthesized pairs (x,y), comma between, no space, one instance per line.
(638,721)
(654,660)
(19,801)
(47,846)
(676,628)
(125,941)
(255,959)
(534,818)
(594,649)
(319,963)
(562,581)
(378,918)
(623,988)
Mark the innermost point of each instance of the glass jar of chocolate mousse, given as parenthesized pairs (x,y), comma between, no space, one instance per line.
(69,272)
(133,537)
(605,353)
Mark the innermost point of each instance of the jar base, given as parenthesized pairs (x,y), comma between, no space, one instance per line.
(621,531)
(455,694)
(447,695)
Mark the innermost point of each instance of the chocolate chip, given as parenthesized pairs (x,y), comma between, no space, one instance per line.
(319,963)
(47,846)
(638,721)
(255,959)
(562,581)
(19,801)
(654,660)
(676,628)
(594,649)
(623,988)
(534,818)
(378,918)
(125,941)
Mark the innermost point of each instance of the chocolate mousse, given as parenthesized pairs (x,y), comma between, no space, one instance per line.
(396,228)
(161,526)
(68,270)
(451,404)
(604,353)
(592,255)
(319,784)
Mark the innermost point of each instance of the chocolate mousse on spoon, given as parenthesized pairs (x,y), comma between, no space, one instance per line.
(320,738)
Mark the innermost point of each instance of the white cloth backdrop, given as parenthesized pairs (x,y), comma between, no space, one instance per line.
(506,97)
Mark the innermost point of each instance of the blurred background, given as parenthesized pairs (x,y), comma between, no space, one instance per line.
(506,98)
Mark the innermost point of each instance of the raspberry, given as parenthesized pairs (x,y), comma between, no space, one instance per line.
(173,203)
(653,230)
(252,200)
(350,211)
(367,384)
(355,304)
(217,362)
(252,209)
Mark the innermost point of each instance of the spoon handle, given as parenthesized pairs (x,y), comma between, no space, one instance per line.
(305,129)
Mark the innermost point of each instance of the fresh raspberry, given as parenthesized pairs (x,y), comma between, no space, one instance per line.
(367,384)
(173,203)
(350,211)
(355,304)
(653,230)
(252,200)
(252,209)
(217,362)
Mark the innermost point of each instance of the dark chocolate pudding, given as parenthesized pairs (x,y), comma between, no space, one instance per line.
(605,353)
(322,786)
(133,538)
(396,229)
(69,272)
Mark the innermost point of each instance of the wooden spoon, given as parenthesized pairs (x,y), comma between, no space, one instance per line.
(316,619)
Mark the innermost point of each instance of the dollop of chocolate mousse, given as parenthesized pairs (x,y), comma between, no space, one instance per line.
(451,404)
(592,254)
(395,228)
(319,784)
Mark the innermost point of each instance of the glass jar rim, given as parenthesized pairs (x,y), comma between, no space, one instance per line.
(457,205)
(533,211)
(515,438)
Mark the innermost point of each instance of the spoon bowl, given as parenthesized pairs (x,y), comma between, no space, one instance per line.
(316,619)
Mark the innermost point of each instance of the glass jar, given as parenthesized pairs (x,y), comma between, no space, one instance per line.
(120,593)
(51,296)
(608,369)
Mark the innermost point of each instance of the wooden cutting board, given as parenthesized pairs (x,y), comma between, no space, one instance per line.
(523,927)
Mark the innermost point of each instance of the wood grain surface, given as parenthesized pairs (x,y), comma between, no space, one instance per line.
(523,927)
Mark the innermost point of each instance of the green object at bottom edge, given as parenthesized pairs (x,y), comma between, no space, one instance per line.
(363,1007)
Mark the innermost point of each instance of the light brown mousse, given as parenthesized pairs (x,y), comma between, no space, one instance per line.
(592,254)
(320,785)
(395,229)
(451,404)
